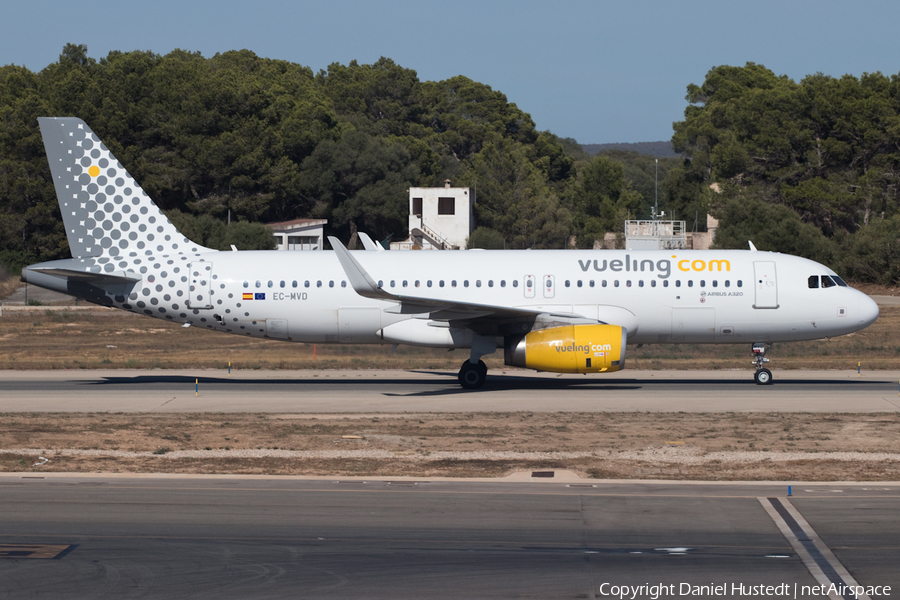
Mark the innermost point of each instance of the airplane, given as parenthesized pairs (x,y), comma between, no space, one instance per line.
(563,311)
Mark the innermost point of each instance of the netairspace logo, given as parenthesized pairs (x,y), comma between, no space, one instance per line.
(733,590)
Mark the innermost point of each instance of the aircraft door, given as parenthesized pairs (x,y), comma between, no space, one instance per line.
(199,285)
(529,286)
(765,284)
(549,285)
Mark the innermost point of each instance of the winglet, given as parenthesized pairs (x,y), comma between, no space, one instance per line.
(360,280)
(368,244)
(752,247)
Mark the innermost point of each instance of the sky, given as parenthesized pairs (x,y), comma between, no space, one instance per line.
(595,71)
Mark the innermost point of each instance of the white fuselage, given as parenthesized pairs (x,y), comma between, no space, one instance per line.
(727,296)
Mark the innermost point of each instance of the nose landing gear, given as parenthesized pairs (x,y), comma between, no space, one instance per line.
(763,376)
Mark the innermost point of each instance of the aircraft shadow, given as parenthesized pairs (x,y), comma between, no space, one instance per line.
(494,383)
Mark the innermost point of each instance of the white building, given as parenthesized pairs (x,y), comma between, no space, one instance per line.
(299,234)
(439,218)
(668,235)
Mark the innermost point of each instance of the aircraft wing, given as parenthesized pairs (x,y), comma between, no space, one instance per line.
(480,317)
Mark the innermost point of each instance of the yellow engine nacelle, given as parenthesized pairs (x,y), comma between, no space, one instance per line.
(569,349)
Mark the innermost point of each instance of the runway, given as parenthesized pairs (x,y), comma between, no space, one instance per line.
(420,391)
(251,537)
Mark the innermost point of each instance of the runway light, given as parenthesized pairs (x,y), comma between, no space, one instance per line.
(196,387)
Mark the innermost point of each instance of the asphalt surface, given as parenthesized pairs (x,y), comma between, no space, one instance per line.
(217,537)
(417,391)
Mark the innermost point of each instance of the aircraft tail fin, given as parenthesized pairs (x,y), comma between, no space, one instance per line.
(105,211)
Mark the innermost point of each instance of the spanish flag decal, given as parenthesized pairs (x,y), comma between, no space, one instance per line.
(247,296)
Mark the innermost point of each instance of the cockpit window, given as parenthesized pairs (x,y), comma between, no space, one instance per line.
(839,281)
(827,282)
(813,281)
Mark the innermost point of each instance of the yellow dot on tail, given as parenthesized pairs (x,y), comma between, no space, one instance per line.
(94,171)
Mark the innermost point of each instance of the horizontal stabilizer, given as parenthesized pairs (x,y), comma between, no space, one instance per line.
(111,278)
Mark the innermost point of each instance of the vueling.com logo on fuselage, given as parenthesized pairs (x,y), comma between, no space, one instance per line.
(663,266)
(586,348)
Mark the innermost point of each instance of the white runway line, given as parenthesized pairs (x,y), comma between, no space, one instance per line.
(822,564)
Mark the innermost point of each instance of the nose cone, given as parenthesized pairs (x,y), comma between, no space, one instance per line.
(867,311)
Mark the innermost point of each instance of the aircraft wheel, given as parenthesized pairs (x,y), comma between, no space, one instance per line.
(472,376)
(763,377)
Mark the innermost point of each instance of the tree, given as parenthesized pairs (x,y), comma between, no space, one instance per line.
(602,200)
(360,181)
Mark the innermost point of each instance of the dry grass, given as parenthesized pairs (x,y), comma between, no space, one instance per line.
(46,339)
(601,445)
(8,284)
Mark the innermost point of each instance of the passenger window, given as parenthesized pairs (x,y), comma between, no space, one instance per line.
(528,283)
(727,283)
(515,283)
(690,283)
(665,283)
(318,284)
(678,283)
(441,283)
(393,283)
(417,283)
(549,283)
(246,284)
(343,283)
(331,284)
(453,283)
(616,283)
(591,283)
(490,283)
(281,284)
(465,283)
(652,283)
(628,283)
(603,283)
(740,283)
(715,283)
(579,283)
(294,283)
(258,283)
(380,284)
(405,283)
(568,284)
(702,283)
(502,283)
(641,283)
(477,283)
(271,283)
(306,283)
(429,283)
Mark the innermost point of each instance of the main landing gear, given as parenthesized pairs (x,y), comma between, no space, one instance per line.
(473,372)
(763,376)
(472,376)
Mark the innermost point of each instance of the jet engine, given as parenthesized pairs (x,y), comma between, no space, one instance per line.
(569,349)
